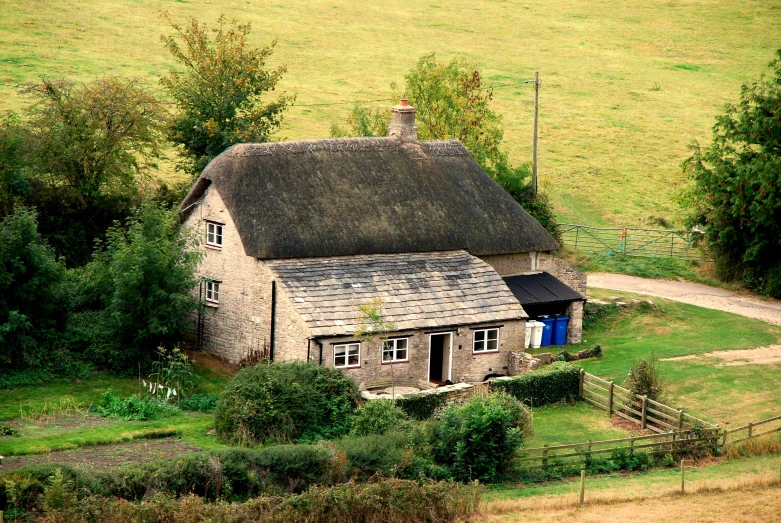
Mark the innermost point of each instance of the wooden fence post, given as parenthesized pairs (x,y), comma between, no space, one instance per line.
(581,378)
(680,420)
(631,447)
(644,413)
(750,430)
(545,456)
(588,456)
(582,484)
(610,401)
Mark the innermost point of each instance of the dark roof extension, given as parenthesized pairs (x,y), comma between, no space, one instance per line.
(348,196)
(541,287)
(418,290)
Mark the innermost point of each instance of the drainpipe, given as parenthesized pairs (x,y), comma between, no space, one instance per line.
(273,319)
(321,350)
(308,347)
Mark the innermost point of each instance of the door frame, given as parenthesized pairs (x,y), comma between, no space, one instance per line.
(449,358)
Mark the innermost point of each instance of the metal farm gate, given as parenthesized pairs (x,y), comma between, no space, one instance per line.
(644,243)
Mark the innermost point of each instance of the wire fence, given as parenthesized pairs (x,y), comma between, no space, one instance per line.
(628,241)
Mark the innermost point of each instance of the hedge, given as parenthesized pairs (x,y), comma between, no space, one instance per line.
(550,384)
(422,406)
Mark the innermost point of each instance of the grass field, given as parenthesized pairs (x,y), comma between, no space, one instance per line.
(723,394)
(626,85)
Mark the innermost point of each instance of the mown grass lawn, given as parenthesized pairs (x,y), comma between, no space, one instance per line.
(723,394)
(627,85)
(564,424)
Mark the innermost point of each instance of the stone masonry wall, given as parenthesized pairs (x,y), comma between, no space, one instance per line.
(520,263)
(241,322)
(466,366)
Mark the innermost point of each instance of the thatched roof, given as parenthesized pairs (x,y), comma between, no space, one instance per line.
(418,290)
(350,196)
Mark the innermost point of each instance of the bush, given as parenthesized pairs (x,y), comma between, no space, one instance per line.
(550,384)
(132,408)
(375,454)
(377,417)
(397,500)
(286,402)
(644,379)
(200,403)
(422,406)
(477,440)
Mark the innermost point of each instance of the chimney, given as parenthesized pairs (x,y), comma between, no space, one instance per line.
(402,124)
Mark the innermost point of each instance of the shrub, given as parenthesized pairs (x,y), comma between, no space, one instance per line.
(7,430)
(375,454)
(200,403)
(377,417)
(132,408)
(550,384)
(644,379)
(286,402)
(401,501)
(477,440)
(422,406)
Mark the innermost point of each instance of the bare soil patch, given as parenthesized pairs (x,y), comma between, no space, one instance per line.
(629,426)
(106,457)
(768,355)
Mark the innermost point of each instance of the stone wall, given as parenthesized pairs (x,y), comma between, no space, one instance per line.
(466,366)
(241,323)
(520,362)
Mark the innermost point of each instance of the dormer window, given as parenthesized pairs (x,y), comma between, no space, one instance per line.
(214,235)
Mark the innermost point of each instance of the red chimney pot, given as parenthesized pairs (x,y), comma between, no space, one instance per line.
(404,102)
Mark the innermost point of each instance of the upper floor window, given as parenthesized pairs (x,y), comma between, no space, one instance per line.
(214,234)
(395,350)
(486,340)
(348,355)
(213,292)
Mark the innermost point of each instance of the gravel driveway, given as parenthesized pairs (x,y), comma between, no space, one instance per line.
(768,310)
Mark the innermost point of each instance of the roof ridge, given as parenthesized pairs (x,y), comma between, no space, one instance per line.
(359,143)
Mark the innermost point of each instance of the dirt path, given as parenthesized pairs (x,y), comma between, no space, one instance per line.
(692,293)
(106,457)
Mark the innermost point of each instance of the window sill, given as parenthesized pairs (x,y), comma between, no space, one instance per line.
(485,352)
(393,362)
(214,247)
(348,367)
(212,304)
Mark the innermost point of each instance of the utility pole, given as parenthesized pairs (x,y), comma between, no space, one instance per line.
(534,150)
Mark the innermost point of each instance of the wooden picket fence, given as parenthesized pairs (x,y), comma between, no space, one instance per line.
(647,413)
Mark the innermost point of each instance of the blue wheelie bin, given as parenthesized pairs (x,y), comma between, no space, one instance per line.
(547,330)
(560,330)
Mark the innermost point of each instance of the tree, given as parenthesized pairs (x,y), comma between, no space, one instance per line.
(737,186)
(88,147)
(13,153)
(31,304)
(452,101)
(136,292)
(374,326)
(221,93)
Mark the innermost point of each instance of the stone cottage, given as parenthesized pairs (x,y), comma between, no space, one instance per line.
(298,235)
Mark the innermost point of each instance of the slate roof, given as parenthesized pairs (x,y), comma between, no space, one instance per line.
(419,290)
(348,196)
(541,287)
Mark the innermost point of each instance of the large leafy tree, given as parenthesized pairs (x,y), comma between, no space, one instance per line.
(31,302)
(222,94)
(89,147)
(451,100)
(135,294)
(737,185)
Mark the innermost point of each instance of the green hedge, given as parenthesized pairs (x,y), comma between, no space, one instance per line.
(422,406)
(550,384)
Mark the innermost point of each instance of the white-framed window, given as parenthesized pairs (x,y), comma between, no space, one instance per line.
(396,349)
(213,292)
(486,340)
(214,234)
(347,355)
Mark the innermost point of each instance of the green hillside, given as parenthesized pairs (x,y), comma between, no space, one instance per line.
(626,85)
